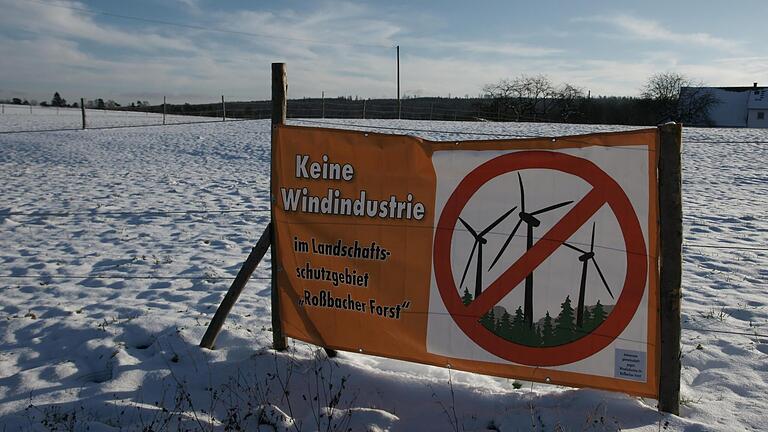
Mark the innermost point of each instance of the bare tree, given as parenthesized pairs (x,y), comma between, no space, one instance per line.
(526,97)
(569,99)
(694,105)
(665,86)
(677,97)
(540,94)
(503,95)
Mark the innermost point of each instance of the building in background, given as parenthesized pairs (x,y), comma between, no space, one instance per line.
(732,106)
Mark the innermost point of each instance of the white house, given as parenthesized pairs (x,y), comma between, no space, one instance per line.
(733,106)
(757,109)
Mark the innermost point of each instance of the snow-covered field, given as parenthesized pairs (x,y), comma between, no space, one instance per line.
(16,118)
(88,340)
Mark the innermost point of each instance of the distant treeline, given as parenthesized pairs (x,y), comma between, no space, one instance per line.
(601,110)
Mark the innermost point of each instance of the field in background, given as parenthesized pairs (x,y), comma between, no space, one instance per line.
(119,244)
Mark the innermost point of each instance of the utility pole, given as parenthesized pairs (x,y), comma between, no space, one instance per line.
(399,107)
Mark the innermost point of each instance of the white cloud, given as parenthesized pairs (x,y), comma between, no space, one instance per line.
(494,47)
(649,30)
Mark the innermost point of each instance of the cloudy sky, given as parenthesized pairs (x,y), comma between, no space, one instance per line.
(98,48)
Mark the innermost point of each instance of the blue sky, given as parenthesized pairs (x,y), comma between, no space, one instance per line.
(347,48)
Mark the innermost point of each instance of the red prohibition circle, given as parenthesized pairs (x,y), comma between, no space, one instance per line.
(605,191)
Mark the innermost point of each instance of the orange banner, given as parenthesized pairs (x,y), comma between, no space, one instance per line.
(533,259)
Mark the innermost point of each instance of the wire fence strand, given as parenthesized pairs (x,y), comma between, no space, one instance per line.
(146,213)
(115,276)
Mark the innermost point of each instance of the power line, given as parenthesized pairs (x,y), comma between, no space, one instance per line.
(208,29)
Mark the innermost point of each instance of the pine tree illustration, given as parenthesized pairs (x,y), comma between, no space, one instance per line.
(586,320)
(489,321)
(467,297)
(547,332)
(598,315)
(564,323)
(505,326)
(518,326)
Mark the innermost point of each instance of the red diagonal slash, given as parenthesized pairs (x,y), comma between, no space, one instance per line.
(553,239)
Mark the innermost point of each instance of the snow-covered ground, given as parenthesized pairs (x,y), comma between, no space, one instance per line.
(87,341)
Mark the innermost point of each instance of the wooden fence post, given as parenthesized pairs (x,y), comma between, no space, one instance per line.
(279,107)
(279,110)
(163,109)
(670,241)
(82,110)
(223,109)
(250,264)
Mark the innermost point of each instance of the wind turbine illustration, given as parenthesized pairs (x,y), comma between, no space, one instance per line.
(531,222)
(585,258)
(478,245)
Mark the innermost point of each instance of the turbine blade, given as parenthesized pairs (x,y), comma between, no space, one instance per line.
(592,244)
(469,261)
(574,248)
(522,192)
(550,208)
(469,228)
(497,221)
(506,243)
(600,272)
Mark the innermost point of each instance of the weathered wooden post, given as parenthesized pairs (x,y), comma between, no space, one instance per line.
(82,110)
(279,110)
(223,109)
(163,109)
(279,106)
(670,240)
(250,264)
